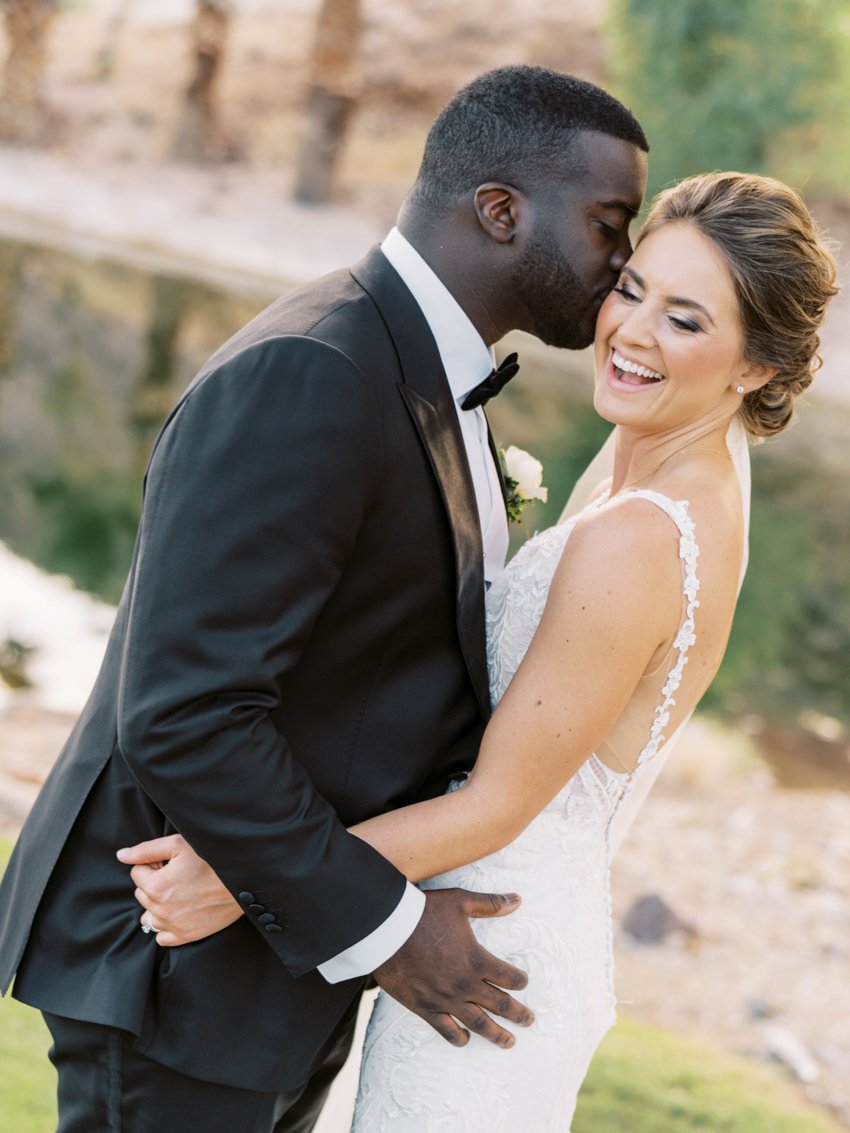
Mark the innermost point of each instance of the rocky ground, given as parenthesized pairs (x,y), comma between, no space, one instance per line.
(758,878)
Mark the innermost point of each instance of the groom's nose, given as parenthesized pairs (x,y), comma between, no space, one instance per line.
(621,253)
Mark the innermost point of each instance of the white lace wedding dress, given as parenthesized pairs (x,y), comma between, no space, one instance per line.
(411,1080)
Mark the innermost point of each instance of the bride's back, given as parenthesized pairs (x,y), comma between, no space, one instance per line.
(698,592)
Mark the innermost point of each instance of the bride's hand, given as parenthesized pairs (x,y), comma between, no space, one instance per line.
(182,898)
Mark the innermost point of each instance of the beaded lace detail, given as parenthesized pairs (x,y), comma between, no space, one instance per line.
(412,1081)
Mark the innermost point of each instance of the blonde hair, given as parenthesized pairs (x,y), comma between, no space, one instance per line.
(783,272)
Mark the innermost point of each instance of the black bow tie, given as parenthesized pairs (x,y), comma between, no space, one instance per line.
(494,383)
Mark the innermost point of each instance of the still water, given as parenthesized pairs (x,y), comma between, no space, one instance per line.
(92,357)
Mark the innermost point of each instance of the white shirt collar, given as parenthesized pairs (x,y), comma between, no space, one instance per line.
(465,357)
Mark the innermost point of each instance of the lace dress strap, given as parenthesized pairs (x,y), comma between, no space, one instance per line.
(686,636)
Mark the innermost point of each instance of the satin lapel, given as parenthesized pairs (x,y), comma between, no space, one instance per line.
(448,461)
(494,452)
(426,394)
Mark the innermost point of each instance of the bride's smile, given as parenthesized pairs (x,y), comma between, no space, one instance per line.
(633,374)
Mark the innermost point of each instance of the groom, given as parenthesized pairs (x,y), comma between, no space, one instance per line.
(300,645)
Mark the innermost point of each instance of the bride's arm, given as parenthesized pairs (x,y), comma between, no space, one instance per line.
(614,602)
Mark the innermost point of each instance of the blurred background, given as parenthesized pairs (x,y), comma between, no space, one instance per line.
(169,166)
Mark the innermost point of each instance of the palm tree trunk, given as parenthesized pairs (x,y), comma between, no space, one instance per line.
(335,87)
(24,115)
(198,136)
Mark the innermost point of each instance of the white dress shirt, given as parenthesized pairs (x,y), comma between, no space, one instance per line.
(467,361)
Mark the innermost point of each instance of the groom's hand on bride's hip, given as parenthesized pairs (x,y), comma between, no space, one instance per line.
(444,975)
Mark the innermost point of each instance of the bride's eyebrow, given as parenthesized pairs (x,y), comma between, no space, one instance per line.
(674,300)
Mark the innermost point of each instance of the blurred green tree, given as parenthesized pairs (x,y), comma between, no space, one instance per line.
(11,264)
(790,646)
(717,85)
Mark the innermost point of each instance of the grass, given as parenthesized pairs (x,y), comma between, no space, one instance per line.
(27,1080)
(649,1081)
(643,1081)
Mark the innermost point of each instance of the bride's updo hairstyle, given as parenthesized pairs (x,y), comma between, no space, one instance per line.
(784,276)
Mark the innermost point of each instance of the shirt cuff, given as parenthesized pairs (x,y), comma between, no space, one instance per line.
(384,941)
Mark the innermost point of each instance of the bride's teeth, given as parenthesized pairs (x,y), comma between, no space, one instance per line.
(633,368)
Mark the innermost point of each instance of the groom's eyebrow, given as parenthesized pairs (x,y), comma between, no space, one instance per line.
(627,208)
(676,300)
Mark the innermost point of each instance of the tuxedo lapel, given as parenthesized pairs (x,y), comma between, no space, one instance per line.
(426,394)
(444,447)
(494,452)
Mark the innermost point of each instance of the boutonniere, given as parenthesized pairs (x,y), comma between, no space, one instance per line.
(523,480)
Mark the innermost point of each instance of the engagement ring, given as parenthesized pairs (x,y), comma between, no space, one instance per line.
(147,924)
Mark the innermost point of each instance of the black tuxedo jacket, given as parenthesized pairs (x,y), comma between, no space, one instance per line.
(300,645)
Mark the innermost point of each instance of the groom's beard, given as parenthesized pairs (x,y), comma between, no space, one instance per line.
(562,311)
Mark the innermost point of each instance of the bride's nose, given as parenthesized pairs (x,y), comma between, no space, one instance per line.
(637,327)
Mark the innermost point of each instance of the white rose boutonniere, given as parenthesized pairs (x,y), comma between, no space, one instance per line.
(523,478)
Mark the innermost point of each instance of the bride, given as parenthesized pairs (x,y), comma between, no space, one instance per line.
(603,634)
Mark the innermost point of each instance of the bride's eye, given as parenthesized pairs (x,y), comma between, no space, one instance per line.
(627,293)
(685,324)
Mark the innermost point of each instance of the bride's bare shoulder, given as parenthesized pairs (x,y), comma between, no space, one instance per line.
(627,542)
(630,542)
(626,521)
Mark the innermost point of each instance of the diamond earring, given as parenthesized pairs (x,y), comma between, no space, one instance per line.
(739,389)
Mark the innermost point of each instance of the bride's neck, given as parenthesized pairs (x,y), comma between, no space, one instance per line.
(638,456)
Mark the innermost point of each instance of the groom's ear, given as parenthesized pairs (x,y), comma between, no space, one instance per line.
(498,207)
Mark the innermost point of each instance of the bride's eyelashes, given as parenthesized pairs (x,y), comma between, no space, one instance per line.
(627,293)
(689,326)
(685,324)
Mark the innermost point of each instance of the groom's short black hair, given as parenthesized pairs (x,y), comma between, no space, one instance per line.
(514,124)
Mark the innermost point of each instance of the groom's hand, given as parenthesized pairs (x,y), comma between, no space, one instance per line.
(444,975)
(180,892)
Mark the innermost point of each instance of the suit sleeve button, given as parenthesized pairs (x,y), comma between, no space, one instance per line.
(257,908)
(273,928)
(246,898)
(267,918)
